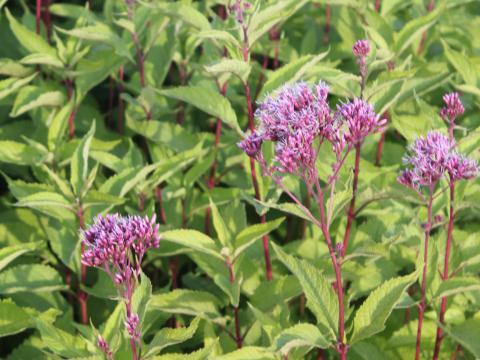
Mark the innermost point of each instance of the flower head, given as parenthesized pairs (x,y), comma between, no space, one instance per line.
(292,118)
(359,119)
(113,242)
(361,48)
(238,8)
(453,107)
(460,167)
(428,158)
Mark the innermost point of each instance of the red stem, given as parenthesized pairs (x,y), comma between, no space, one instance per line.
(448,246)
(71,118)
(238,333)
(161,210)
(38,16)
(46,18)
(421,307)
(351,209)
(128,306)
(377,5)
(328,17)
(430,7)
(82,296)
(120,100)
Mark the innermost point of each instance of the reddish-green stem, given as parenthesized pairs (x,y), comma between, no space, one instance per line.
(47,19)
(351,208)
(430,7)
(82,296)
(133,345)
(328,19)
(120,100)
(421,306)
(377,5)
(38,15)
(448,246)
(238,333)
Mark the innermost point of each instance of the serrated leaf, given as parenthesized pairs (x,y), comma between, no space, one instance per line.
(79,164)
(297,336)
(18,153)
(141,297)
(457,285)
(110,329)
(42,59)
(10,253)
(372,314)
(184,12)
(194,240)
(221,229)
(239,68)
(467,334)
(13,319)
(207,100)
(9,86)
(187,302)
(31,97)
(34,278)
(247,353)
(58,126)
(168,337)
(321,298)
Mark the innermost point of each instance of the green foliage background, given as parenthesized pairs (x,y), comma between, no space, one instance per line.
(149,148)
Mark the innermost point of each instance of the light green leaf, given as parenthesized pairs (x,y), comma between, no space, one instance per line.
(120,184)
(207,100)
(10,253)
(32,97)
(372,314)
(79,164)
(194,240)
(321,298)
(299,335)
(141,297)
(222,230)
(58,126)
(458,285)
(110,329)
(290,73)
(239,68)
(34,278)
(187,302)
(231,289)
(184,12)
(467,334)
(13,319)
(19,154)
(167,337)
(31,41)
(247,353)
(42,59)
(10,67)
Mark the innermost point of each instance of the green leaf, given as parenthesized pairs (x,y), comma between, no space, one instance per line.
(168,337)
(239,68)
(249,235)
(457,285)
(467,334)
(31,97)
(463,64)
(201,354)
(372,314)
(58,126)
(110,329)
(194,240)
(31,41)
(187,302)
(141,297)
(413,29)
(19,154)
(290,73)
(42,59)
(120,184)
(247,353)
(12,68)
(51,203)
(299,335)
(232,290)
(184,12)
(9,86)
(79,164)
(207,100)
(61,342)
(13,319)
(321,298)
(10,253)
(222,230)
(34,278)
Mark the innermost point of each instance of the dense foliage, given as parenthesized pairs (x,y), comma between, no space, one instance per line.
(232,179)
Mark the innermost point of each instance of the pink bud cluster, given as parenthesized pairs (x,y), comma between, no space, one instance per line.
(131,324)
(238,8)
(296,115)
(432,157)
(103,346)
(360,50)
(453,107)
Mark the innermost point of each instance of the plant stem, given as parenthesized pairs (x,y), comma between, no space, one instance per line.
(47,19)
(120,100)
(430,7)
(138,49)
(82,296)
(351,209)
(161,210)
(448,246)
(328,17)
(133,345)
(377,5)
(71,118)
(421,307)
(38,16)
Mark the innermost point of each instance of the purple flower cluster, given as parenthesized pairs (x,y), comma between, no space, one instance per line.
(118,244)
(131,324)
(453,107)
(433,156)
(298,114)
(360,120)
(238,8)
(292,118)
(361,49)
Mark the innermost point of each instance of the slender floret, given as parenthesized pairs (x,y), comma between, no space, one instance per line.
(453,107)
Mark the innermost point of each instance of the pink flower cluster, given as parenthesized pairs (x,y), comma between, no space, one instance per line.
(433,156)
(298,114)
(360,50)
(453,107)
(238,8)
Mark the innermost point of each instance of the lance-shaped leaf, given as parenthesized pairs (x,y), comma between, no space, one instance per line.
(79,164)
(321,298)
(184,12)
(35,278)
(58,126)
(299,335)
(10,253)
(247,353)
(32,97)
(110,329)
(467,334)
(49,203)
(249,235)
(9,86)
(458,285)
(194,240)
(239,68)
(222,230)
(121,183)
(19,154)
(201,354)
(187,302)
(168,337)
(372,314)
(207,100)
